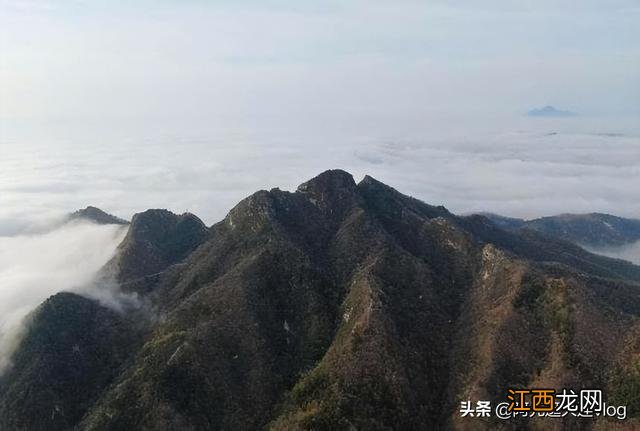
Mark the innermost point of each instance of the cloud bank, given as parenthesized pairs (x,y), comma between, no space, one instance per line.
(629,252)
(192,105)
(36,266)
(518,169)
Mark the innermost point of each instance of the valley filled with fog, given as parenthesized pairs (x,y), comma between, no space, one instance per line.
(628,252)
(37,265)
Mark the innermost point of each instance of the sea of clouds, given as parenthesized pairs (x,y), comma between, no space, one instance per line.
(34,266)
(540,168)
(529,169)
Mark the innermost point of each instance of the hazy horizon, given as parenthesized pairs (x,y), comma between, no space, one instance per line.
(194,105)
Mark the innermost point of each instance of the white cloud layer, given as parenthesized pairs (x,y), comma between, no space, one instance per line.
(192,105)
(532,168)
(36,266)
(628,252)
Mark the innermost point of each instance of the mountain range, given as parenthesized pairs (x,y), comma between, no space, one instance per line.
(593,230)
(340,306)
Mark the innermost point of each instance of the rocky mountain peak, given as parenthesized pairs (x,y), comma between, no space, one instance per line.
(96,215)
(369,180)
(156,239)
(334,191)
(329,182)
(154,223)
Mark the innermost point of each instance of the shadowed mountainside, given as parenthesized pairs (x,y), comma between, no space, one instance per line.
(338,306)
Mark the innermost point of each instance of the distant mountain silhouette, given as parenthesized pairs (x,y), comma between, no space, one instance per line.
(549,111)
(96,215)
(594,229)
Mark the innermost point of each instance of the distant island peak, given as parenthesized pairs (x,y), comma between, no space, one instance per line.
(549,111)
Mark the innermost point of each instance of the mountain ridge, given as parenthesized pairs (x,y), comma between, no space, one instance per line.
(347,305)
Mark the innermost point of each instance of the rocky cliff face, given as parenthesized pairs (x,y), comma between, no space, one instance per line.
(338,306)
